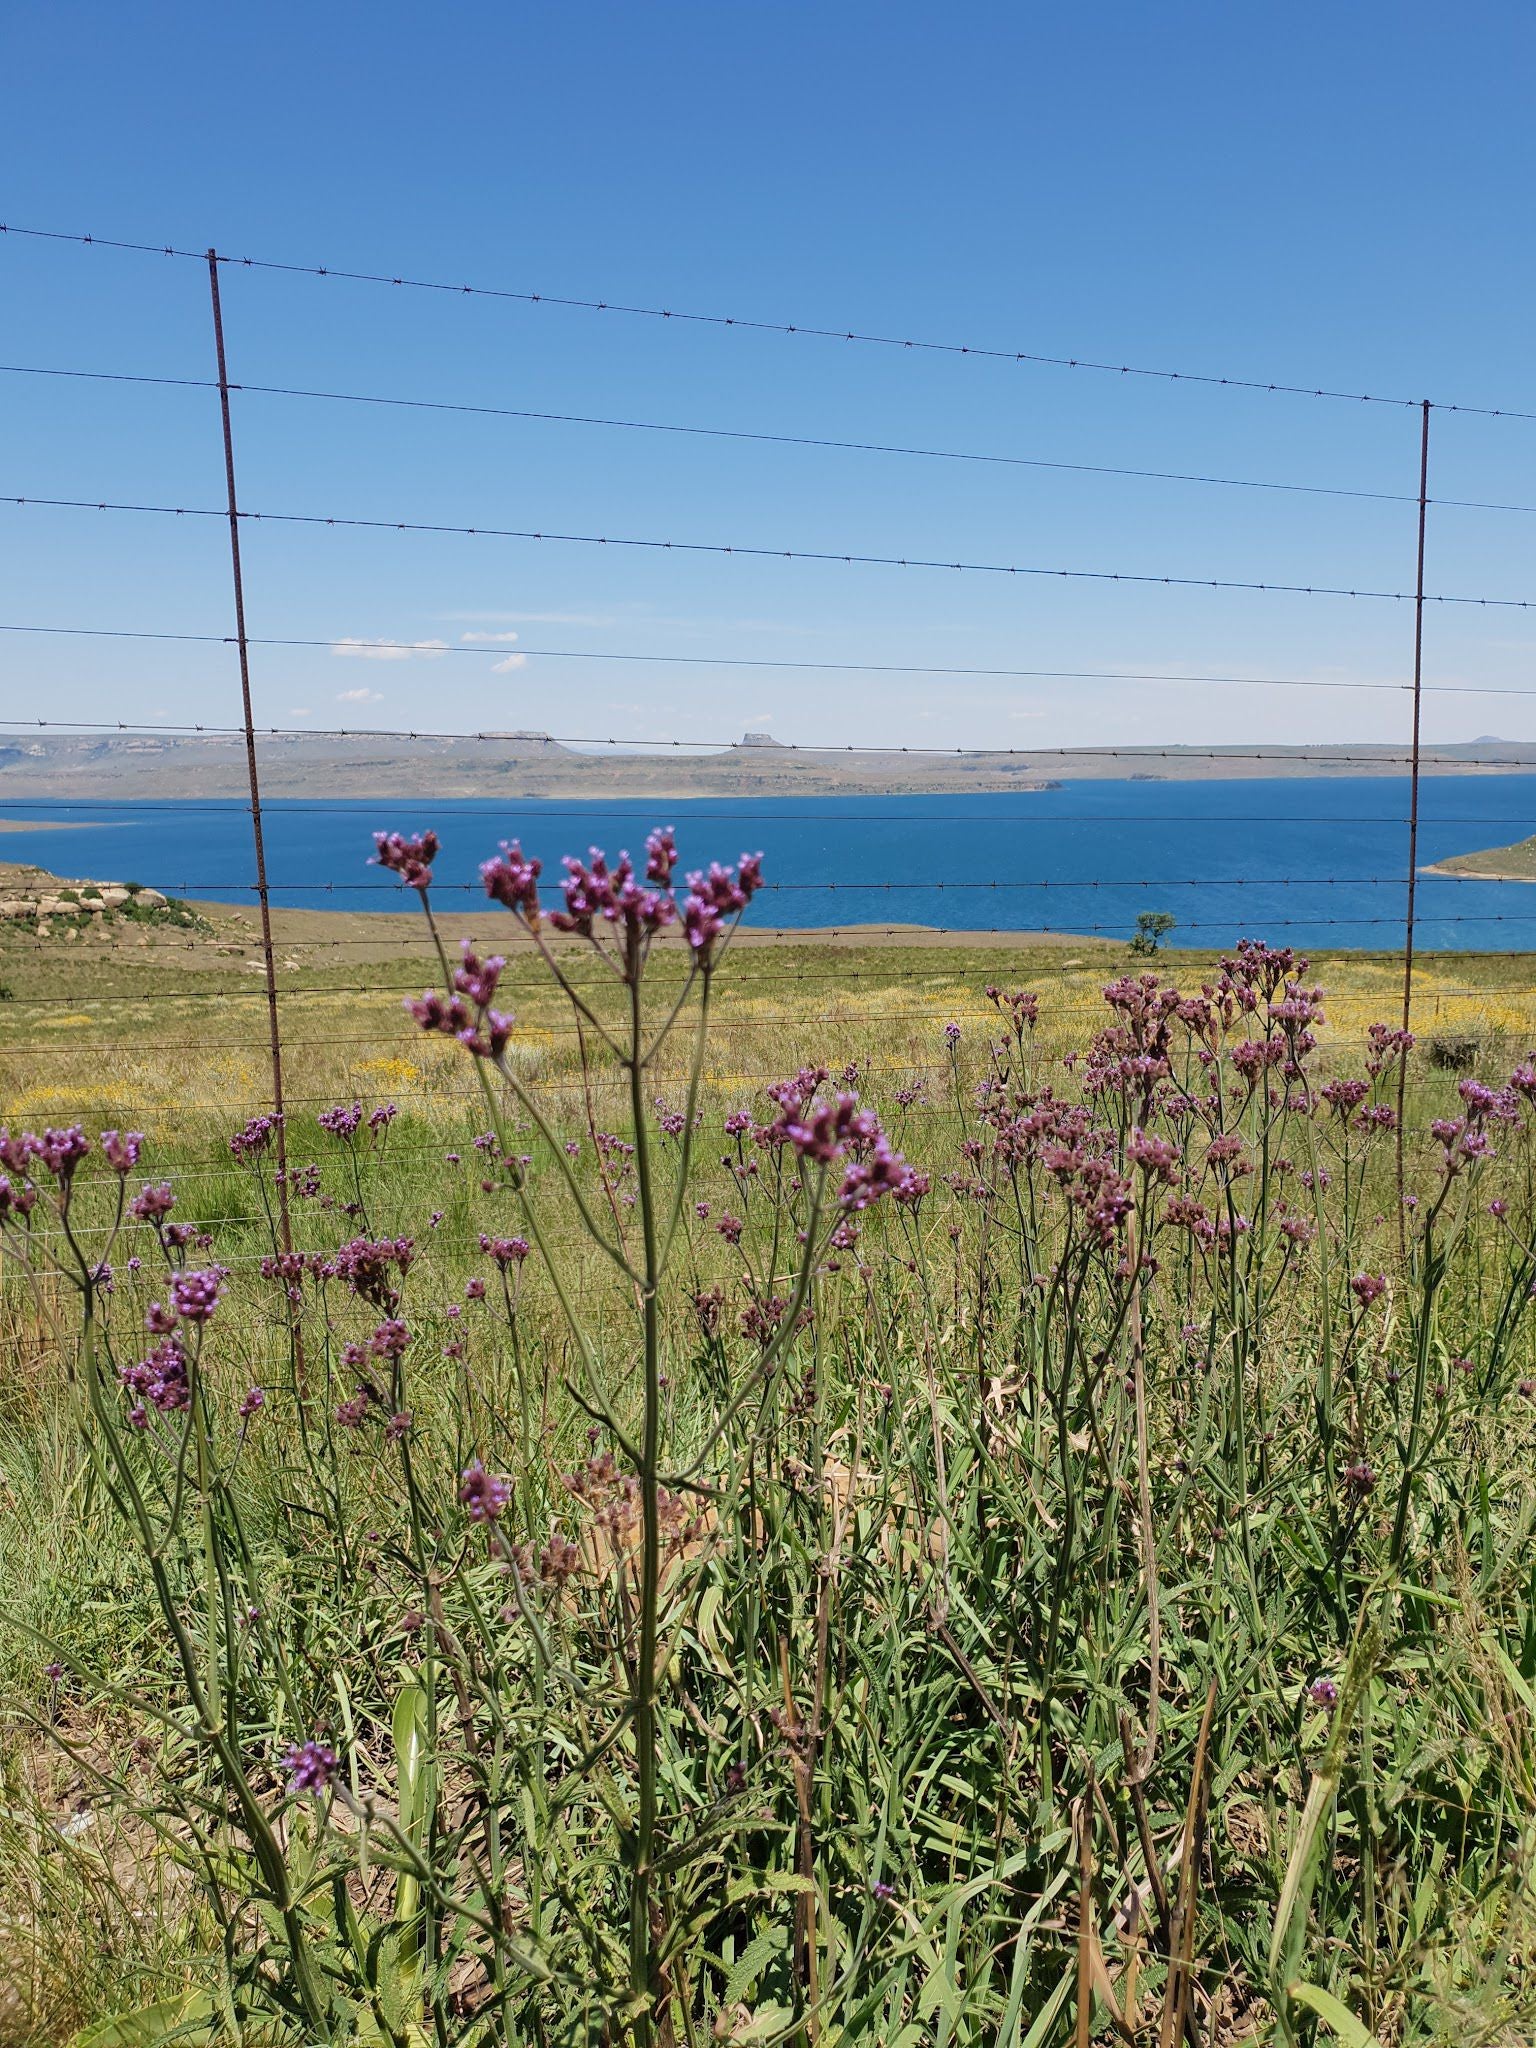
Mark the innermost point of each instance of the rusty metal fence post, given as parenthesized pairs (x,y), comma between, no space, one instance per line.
(274,1026)
(1413,812)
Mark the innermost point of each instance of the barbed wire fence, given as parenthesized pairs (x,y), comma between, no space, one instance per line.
(1406,753)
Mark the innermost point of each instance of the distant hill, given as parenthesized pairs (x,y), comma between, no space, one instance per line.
(127,765)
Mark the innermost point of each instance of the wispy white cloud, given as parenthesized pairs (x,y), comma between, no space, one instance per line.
(301,712)
(486,639)
(359,697)
(384,649)
(506,667)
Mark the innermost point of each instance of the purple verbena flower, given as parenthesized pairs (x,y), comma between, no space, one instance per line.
(161,1380)
(61,1151)
(484,1494)
(506,1251)
(390,1340)
(477,978)
(660,856)
(310,1766)
(513,881)
(152,1203)
(410,859)
(255,1136)
(195,1295)
(716,895)
(121,1150)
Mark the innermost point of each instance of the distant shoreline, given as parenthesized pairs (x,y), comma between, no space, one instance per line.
(514,768)
(48,825)
(1450,874)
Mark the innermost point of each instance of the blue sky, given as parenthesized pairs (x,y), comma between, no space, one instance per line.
(1316,195)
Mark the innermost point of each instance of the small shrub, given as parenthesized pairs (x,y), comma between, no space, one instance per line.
(1454,1052)
(1152,927)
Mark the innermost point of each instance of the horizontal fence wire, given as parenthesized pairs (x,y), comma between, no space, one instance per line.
(404,988)
(401,281)
(434,648)
(181,1178)
(946,885)
(761,551)
(747,434)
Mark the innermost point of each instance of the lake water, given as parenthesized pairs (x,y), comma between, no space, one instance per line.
(1311,863)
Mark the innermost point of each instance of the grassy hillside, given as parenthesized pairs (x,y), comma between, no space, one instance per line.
(1515,863)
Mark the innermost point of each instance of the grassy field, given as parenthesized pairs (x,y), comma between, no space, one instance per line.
(1013,1612)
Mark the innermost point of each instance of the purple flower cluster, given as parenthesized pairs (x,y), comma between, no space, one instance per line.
(513,881)
(670,1122)
(195,1296)
(598,893)
(255,1136)
(1386,1045)
(367,1266)
(466,1013)
(717,895)
(153,1203)
(121,1150)
(1157,1156)
(410,859)
(161,1380)
(1345,1096)
(837,1131)
(311,1766)
(17,1195)
(506,1251)
(341,1121)
(484,1494)
(1021,1006)
(614,895)
(61,1151)
(390,1340)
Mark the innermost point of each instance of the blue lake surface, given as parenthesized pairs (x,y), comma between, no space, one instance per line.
(1308,862)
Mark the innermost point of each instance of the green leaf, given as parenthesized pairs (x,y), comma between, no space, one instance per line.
(408,1726)
(1334,2014)
(190,2016)
(759,1952)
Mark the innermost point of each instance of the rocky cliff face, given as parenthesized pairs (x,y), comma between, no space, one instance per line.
(35,900)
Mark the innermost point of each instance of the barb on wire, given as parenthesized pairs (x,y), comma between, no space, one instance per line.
(400,280)
(755,551)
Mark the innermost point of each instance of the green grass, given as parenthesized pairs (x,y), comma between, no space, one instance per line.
(940,1633)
